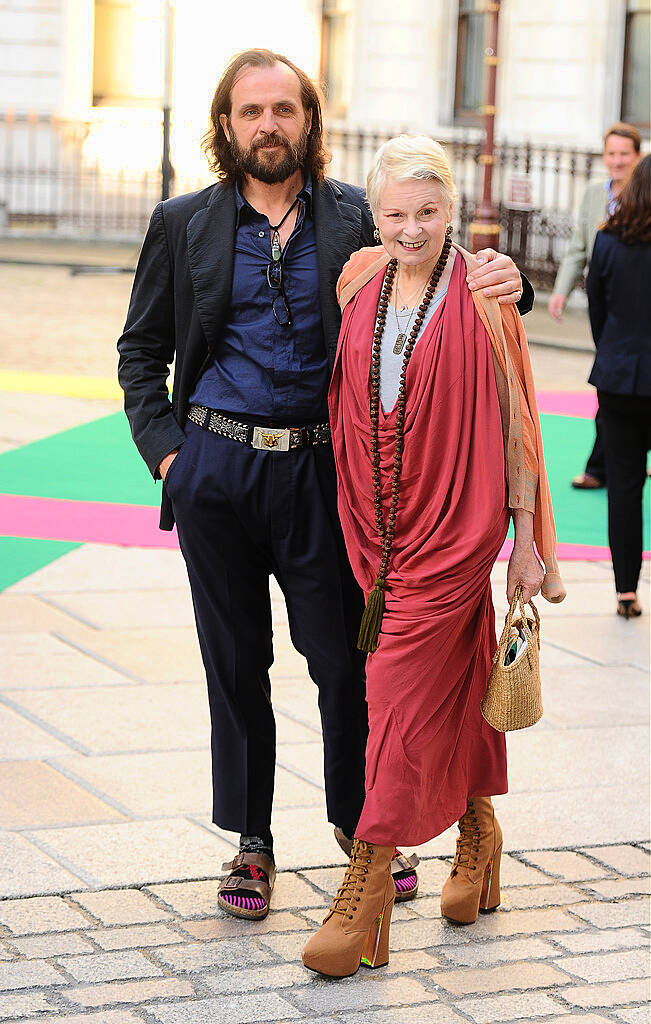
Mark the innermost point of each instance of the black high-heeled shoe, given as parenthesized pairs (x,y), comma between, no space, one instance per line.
(628,607)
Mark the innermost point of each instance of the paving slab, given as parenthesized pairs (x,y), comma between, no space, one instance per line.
(619,966)
(18,609)
(625,859)
(568,865)
(120,906)
(63,669)
(132,718)
(25,869)
(508,976)
(35,794)
(243,1010)
(566,817)
(114,966)
(601,941)
(128,992)
(40,914)
(155,784)
(517,1006)
(130,609)
(137,853)
(97,568)
(18,1004)
(22,739)
(613,994)
(362,992)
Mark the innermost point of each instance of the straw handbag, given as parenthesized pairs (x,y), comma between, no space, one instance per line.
(513,698)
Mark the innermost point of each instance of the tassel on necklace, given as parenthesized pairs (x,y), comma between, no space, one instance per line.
(369,629)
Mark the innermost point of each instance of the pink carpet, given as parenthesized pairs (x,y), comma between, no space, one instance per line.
(96,522)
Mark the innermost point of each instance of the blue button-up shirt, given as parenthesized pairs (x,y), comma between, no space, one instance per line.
(262,368)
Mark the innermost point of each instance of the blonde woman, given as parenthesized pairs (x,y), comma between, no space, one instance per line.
(437,446)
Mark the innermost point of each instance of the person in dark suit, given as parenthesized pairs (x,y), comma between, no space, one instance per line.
(237,284)
(619,298)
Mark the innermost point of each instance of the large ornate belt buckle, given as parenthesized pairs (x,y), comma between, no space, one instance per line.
(271,439)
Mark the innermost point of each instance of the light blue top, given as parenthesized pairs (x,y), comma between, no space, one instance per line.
(390,363)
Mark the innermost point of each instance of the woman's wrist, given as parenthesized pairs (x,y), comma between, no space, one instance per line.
(523,524)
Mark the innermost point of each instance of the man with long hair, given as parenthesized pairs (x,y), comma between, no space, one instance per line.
(237,284)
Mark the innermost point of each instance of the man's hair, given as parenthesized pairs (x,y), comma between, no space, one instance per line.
(631,218)
(626,131)
(217,147)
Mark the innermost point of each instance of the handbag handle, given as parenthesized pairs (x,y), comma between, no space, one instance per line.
(516,600)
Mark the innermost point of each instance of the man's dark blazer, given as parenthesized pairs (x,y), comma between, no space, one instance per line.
(619,299)
(181,295)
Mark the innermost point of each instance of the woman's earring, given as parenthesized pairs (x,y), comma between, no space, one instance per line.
(448,231)
(376,235)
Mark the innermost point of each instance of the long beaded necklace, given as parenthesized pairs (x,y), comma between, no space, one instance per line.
(369,630)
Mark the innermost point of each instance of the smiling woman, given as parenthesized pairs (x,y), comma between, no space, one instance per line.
(425,497)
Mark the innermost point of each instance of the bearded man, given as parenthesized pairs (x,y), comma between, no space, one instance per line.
(237,284)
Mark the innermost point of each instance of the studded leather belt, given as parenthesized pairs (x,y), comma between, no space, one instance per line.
(277,439)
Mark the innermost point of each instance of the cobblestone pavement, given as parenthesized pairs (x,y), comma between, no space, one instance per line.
(571,939)
(108,859)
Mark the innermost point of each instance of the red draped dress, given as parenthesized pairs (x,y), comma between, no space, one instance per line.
(429,749)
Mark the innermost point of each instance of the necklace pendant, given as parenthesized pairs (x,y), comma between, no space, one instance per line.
(276,251)
(399,343)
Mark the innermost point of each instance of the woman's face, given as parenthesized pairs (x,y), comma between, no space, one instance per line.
(412,217)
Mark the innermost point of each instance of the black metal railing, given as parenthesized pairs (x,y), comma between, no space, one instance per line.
(47,185)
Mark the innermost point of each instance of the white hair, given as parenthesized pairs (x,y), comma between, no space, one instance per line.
(406,157)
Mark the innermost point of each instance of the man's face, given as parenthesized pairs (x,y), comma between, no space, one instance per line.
(268,127)
(619,157)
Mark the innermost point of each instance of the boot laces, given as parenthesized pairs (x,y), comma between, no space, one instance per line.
(352,886)
(468,841)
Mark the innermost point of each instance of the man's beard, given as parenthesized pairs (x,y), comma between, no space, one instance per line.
(253,162)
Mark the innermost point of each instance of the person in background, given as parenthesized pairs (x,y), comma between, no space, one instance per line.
(619,300)
(621,153)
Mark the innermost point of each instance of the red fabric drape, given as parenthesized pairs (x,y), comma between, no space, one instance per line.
(429,748)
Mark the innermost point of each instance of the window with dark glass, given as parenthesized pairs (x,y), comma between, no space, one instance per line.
(471,34)
(636,94)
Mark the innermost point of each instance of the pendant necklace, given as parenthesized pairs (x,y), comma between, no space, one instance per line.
(276,248)
(402,334)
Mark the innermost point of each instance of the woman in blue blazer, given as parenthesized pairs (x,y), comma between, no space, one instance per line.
(619,296)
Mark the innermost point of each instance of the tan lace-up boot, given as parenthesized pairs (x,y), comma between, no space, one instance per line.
(474,882)
(356,929)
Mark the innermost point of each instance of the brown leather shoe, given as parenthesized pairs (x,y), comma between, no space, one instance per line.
(356,929)
(474,882)
(587,482)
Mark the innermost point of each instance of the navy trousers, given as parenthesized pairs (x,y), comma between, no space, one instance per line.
(243,515)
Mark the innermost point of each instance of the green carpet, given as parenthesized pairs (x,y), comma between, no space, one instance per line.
(21,556)
(97,461)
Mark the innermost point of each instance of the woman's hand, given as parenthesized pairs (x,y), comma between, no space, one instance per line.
(497,275)
(524,566)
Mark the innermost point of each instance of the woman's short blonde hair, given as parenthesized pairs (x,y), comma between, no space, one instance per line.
(406,157)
